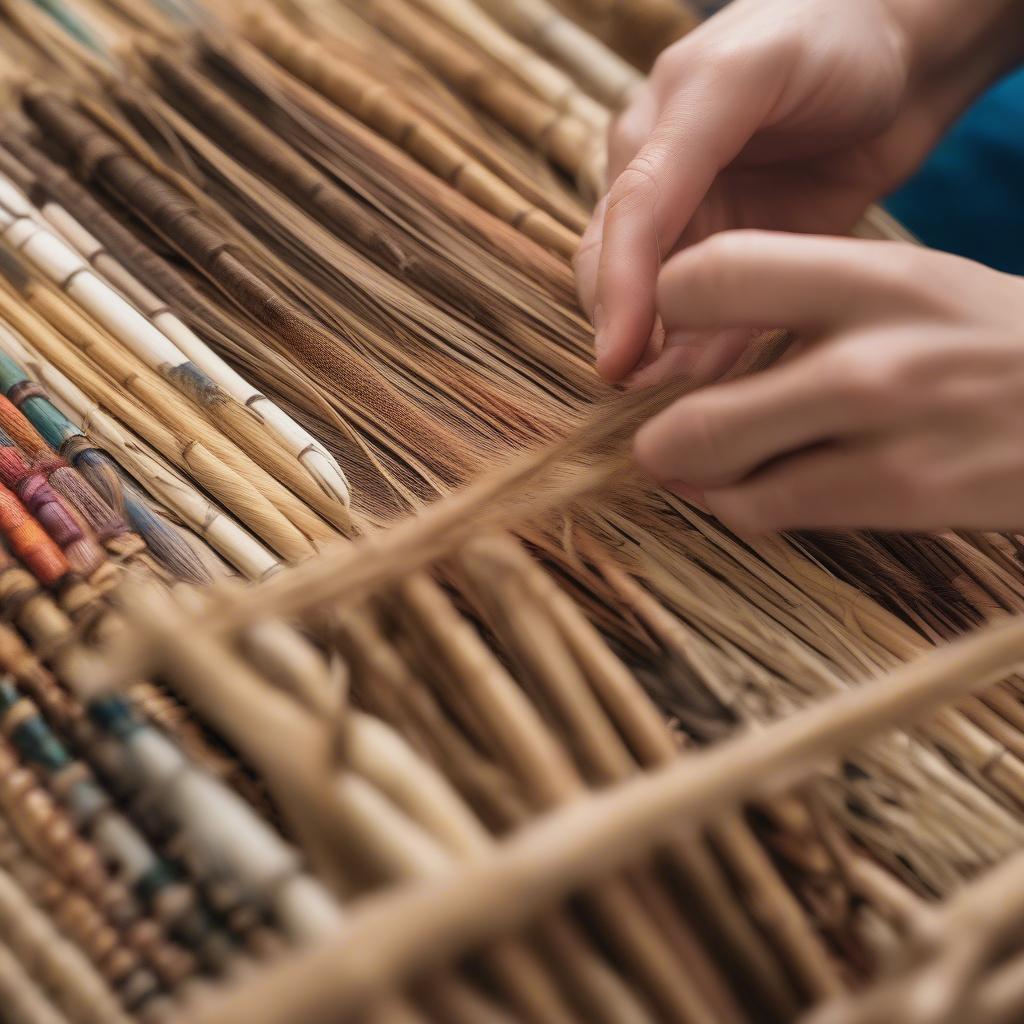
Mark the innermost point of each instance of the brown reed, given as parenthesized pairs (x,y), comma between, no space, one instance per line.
(372,102)
(393,420)
(567,141)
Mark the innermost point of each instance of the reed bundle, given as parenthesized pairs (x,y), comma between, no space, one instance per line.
(638,29)
(516,737)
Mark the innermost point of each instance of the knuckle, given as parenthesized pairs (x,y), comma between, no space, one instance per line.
(711,266)
(635,187)
(861,375)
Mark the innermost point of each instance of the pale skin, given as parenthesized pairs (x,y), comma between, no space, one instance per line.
(760,137)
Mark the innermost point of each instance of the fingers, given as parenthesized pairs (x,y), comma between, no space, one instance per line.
(697,356)
(585,260)
(629,130)
(625,137)
(761,278)
(720,434)
(828,488)
(700,130)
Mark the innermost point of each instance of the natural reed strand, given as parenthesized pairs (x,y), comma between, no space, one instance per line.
(374,103)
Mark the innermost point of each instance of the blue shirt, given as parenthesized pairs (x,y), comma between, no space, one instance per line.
(969,196)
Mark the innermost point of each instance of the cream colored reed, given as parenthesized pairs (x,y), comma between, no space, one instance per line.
(320,464)
(23,228)
(156,475)
(601,71)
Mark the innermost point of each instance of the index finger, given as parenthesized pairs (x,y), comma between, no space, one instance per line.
(700,131)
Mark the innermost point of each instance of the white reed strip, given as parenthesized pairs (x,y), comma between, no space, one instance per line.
(25,229)
(149,469)
(57,965)
(297,440)
(547,81)
(405,931)
(600,70)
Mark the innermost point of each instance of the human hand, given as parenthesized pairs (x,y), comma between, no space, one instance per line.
(780,114)
(902,407)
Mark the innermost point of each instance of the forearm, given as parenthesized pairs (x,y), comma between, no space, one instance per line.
(962,44)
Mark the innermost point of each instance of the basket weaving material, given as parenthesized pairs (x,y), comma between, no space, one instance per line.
(351,671)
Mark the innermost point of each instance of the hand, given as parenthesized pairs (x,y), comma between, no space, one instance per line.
(902,408)
(782,114)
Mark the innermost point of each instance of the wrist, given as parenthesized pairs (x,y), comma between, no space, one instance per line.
(966,43)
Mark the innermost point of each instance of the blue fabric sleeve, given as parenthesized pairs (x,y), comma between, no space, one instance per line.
(969,196)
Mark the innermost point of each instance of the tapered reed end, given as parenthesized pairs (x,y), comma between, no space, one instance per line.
(326,472)
(166,544)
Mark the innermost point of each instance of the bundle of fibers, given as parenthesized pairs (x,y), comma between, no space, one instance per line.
(514,665)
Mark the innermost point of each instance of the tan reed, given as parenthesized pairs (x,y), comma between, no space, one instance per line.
(566,140)
(184,437)
(57,965)
(24,1002)
(638,29)
(351,36)
(600,71)
(519,61)
(372,102)
(121,966)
